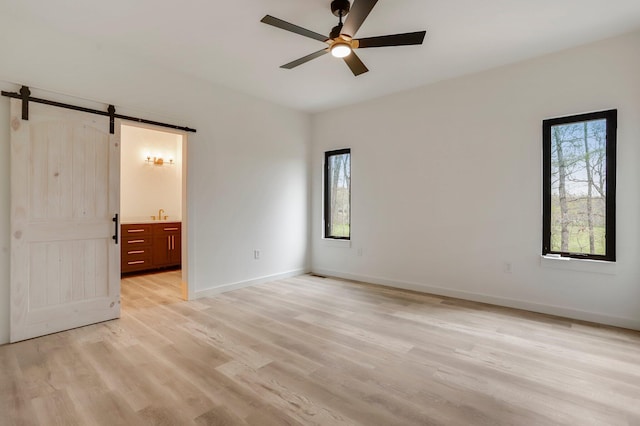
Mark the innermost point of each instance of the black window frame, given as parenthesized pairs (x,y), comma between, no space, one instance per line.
(327,195)
(611,117)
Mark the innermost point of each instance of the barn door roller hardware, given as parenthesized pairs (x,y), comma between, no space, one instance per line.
(25,96)
(25,93)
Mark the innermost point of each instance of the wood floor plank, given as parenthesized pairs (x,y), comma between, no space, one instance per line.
(310,350)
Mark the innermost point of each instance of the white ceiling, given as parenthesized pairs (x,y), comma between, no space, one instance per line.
(225,43)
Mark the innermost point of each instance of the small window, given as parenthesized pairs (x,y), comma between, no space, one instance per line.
(337,194)
(579,218)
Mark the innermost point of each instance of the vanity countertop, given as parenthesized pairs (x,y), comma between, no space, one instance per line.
(149,220)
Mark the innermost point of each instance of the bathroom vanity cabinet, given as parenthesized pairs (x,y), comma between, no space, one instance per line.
(148,246)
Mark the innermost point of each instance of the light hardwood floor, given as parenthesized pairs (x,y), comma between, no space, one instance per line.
(310,350)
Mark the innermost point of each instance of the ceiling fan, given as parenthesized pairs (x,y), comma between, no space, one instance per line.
(341,40)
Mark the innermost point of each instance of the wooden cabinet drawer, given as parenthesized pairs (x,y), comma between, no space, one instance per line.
(136,251)
(136,230)
(131,242)
(167,228)
(136,262)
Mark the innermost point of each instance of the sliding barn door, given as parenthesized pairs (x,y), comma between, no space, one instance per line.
(65,190)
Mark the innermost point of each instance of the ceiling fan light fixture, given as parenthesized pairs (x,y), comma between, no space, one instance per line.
(341,49)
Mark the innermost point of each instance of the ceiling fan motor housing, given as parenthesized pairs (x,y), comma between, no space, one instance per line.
(340,7)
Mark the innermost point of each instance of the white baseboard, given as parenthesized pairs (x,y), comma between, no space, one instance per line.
(493,300)
(248,283)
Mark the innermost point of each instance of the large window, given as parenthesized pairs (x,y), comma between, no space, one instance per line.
(337,194)
(580,186)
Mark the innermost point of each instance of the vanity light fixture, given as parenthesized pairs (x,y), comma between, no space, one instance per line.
(158,161)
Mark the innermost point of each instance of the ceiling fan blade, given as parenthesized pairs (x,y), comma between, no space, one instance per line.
(405,39)
(305,59)
(287,26)
(355,64)
(359,12)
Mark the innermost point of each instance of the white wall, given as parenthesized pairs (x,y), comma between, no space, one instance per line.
(248,162)
(446,185)
(146,187)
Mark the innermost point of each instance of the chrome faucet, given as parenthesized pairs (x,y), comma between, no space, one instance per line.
(160,214)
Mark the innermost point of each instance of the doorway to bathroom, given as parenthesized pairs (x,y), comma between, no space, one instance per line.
(153,215)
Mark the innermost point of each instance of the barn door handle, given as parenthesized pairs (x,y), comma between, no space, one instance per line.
(115,228)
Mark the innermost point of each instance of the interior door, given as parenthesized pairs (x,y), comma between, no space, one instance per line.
(65,192)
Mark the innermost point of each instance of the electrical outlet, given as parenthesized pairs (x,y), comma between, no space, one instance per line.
(506,267)
(256,254)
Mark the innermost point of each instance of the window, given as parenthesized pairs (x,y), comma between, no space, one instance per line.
(337,194)
(579,218)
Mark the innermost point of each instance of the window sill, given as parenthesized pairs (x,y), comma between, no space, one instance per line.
(579,265)
(330,242)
